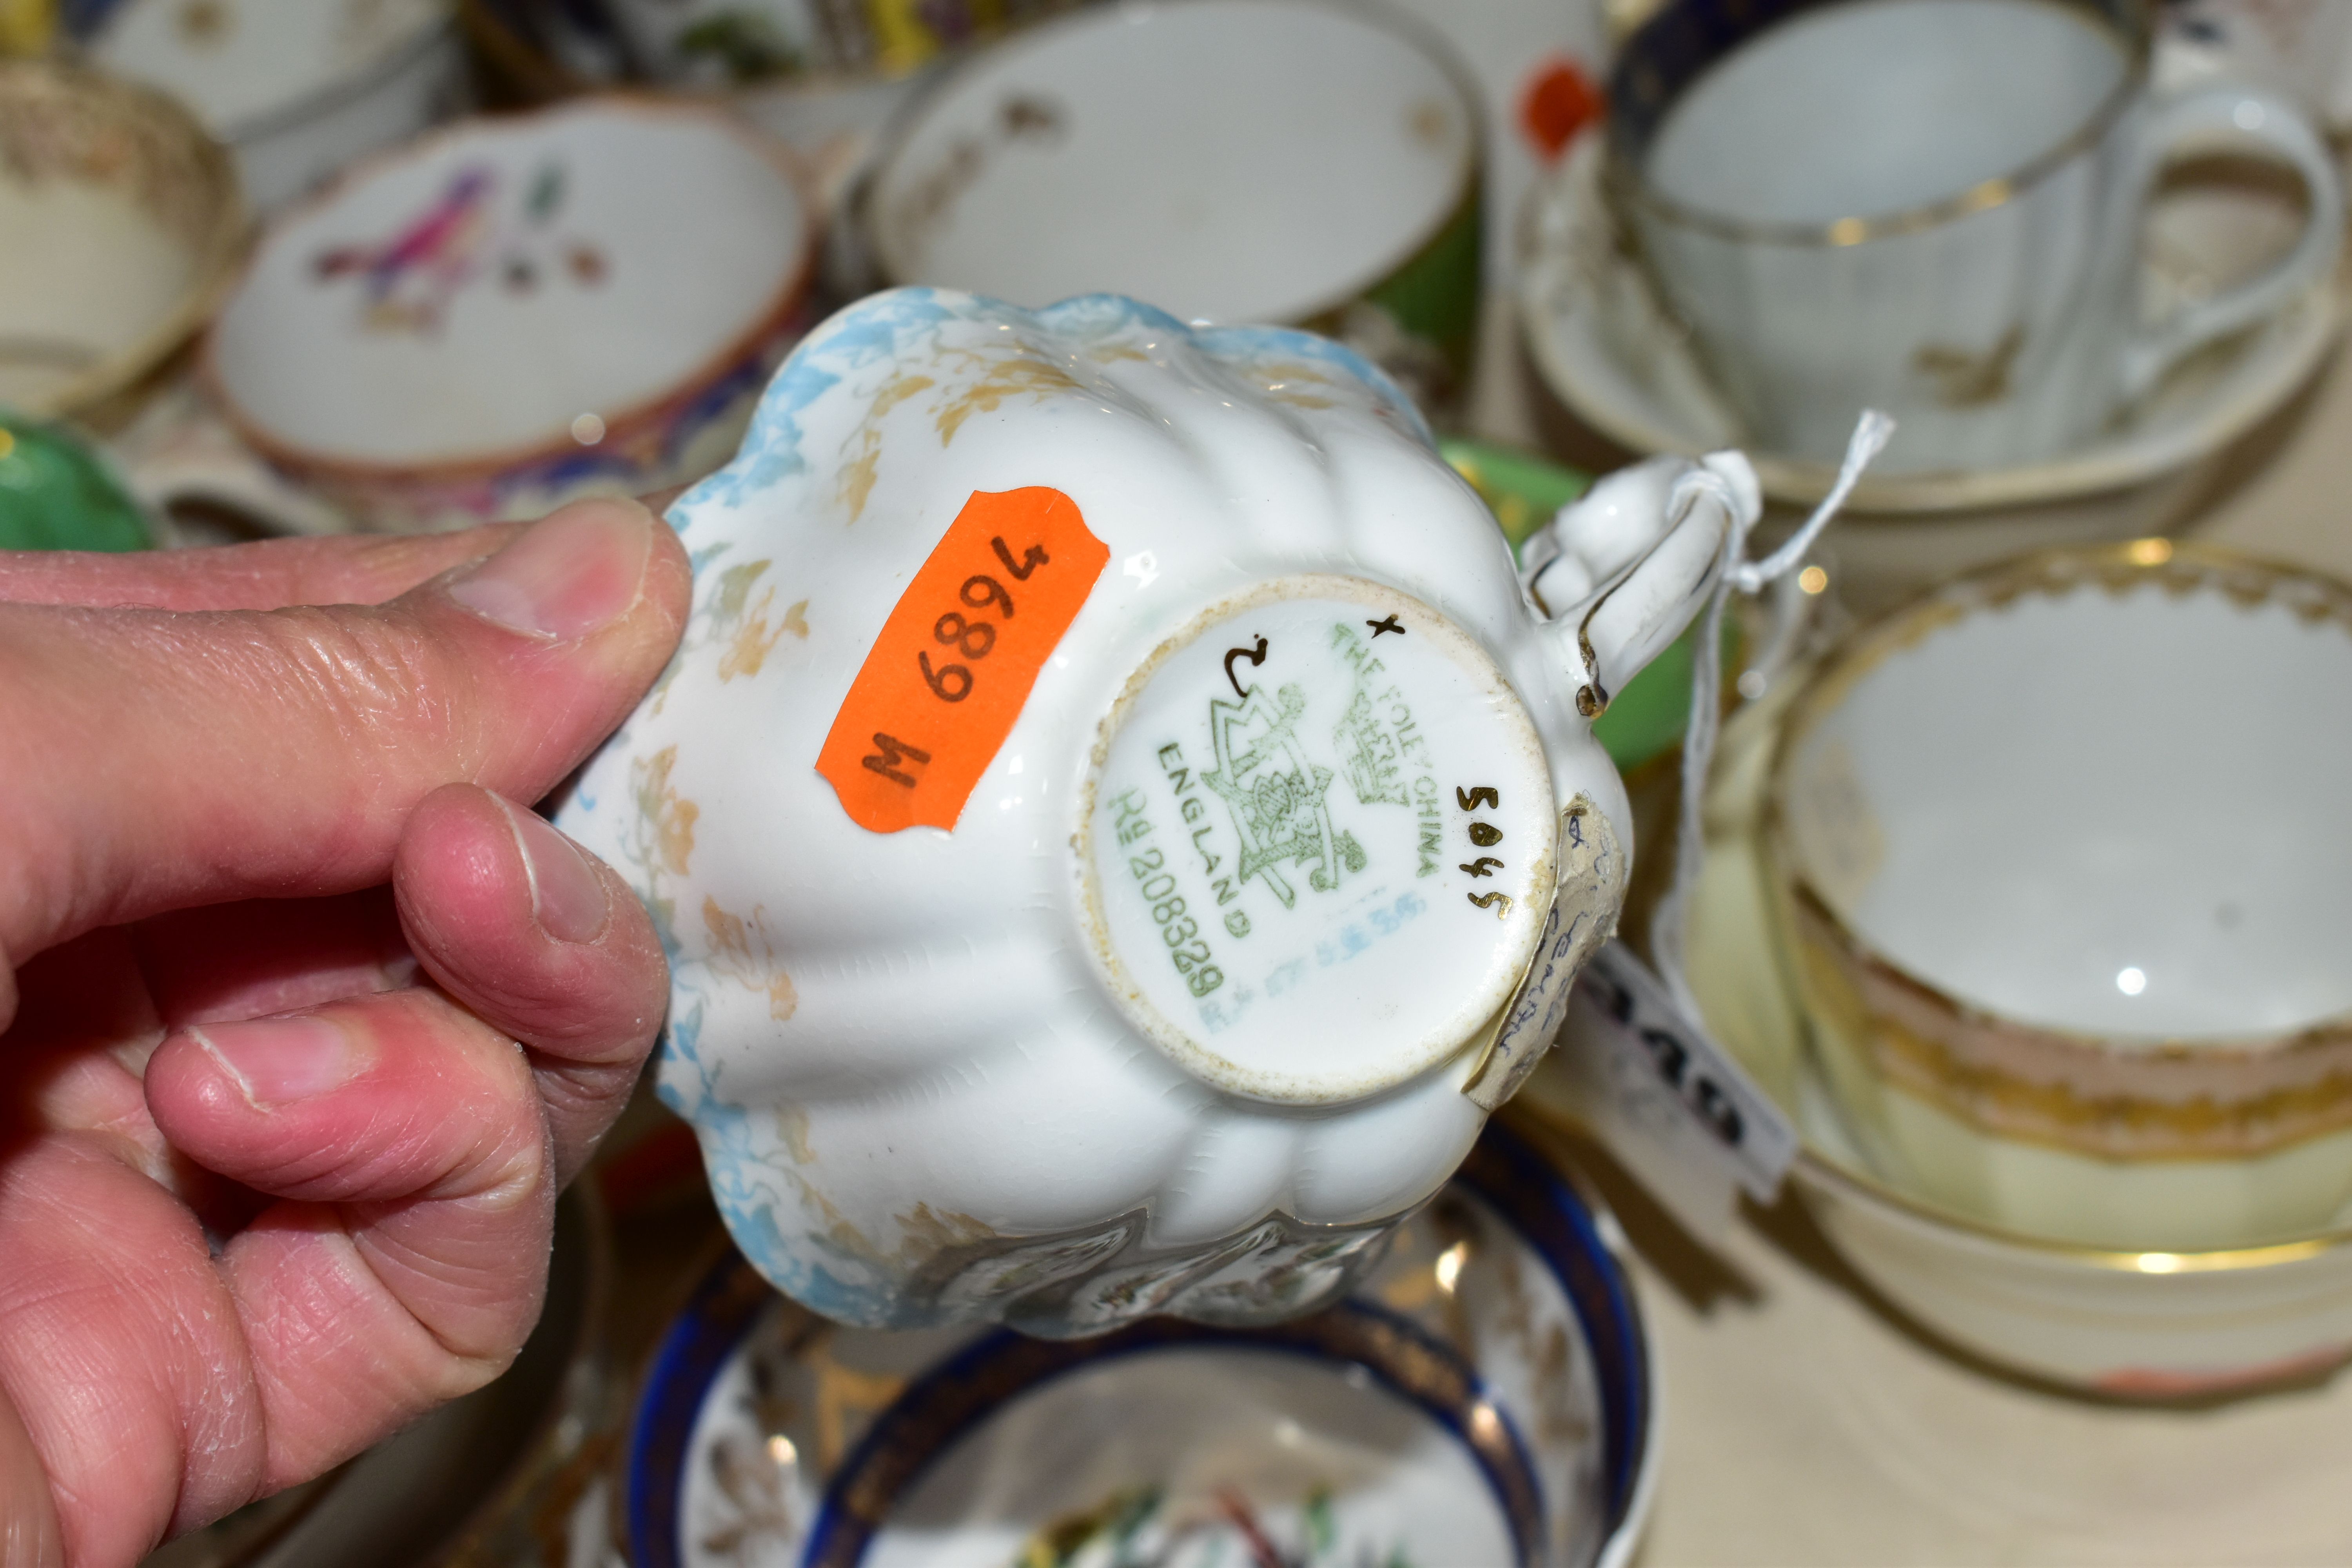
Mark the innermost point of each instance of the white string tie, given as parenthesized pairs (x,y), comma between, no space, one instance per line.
(1668,922)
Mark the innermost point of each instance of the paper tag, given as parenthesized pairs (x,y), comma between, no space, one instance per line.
(947,679)
(1668,1101)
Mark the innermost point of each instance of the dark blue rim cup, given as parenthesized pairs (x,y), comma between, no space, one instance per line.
(943,1404)
(1684,39)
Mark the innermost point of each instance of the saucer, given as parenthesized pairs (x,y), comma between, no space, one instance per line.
(830,118)
(498,317)
(1621,364)
(1485,1396)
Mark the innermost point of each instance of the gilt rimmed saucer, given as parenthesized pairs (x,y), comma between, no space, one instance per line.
(1486,1396)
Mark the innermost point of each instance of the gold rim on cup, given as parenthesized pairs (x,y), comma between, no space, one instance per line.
(2031,1083)
(1632,81)
(150,128)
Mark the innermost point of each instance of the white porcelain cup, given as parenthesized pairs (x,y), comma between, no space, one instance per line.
(1304,162)
(1932,207)
(2059,864)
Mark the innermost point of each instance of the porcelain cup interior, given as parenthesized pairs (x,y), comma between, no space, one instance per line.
(124,224)
(2143,1323)
(2140,1325)
(515,290)
(2060,867)
(1933,208)
(1232,161)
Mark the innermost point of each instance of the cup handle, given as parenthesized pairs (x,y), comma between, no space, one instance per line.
(2234,111)
(1619,577)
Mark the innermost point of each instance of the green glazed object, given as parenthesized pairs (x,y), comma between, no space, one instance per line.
(1646,719)
(1521,488)
(55,494)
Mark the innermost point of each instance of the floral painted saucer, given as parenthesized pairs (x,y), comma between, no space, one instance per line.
(498,317)
(1485,1397)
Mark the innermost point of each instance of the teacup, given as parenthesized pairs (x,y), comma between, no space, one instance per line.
(711,42)
(2120,1322)
(1932,207)
(120,226)
(1118,819)
(2059,865)
(518,311)
(1235,161)
(297,88)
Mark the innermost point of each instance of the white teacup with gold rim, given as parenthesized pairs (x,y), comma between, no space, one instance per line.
(1934,207)
(1299,160)
(2060,859)
(1117,820)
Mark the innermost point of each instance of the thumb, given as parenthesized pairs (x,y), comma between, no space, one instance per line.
(155,760)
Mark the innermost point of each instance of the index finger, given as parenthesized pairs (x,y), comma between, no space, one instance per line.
(346,569)
(154,762)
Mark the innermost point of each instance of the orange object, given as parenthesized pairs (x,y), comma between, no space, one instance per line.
(942,685)
(1559,101)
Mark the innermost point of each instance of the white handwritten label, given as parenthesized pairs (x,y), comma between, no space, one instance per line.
(1669,1102)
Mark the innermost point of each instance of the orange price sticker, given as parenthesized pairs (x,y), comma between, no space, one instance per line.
(942,685)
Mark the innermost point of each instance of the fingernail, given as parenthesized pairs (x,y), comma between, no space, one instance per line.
(567,897)
(276,1061)
(574,573)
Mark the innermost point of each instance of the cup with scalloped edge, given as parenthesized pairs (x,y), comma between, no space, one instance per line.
(120,228)
(501,316)
(2059,868)
(1119,818)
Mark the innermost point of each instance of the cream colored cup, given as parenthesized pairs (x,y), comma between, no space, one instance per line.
(2059,864)
(120,226)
